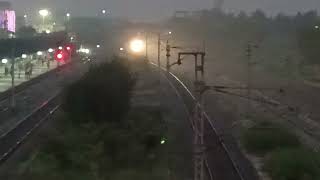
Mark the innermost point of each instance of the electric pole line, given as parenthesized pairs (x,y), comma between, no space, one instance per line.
(12,72)
(146,44)
(159,56)
(198,113)
(168,55)
(249,50)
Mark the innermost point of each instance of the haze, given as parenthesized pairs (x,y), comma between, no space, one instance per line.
(158,9)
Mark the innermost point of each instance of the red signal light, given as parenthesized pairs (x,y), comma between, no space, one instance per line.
(68,48)
(60,55)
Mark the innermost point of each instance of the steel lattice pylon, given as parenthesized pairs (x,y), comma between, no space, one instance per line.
(198,142)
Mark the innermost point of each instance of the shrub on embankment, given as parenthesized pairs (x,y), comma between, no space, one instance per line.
(99,136)
(293,164)
(266,137)
(103,94)
(285,158)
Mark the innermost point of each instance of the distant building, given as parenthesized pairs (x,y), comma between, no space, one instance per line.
(7,17)
(20,22)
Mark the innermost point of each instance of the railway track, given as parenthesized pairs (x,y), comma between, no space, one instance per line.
(222,155)
(20,88)
(224,159)
(10,141)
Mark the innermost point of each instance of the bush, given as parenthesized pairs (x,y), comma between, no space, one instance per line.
(264,138)
(103,94)
(105,150)
(293,164)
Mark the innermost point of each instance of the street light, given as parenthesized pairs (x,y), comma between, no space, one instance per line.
(98,46)
(43,13)
(24,56)
(4,61)
(39,53)
(48,31)
(50,50)
(104,11)
(68,14)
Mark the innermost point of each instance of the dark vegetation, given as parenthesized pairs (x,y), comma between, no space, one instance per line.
(285,43)
(99,135)
(293,164)
(104,93)
(266,137)
(285,158)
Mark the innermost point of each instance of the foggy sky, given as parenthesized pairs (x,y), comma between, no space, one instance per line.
(156,9)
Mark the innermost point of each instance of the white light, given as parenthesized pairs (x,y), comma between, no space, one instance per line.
(121,49)
(25,16)
(68,14)
(137,45)
(170,32)
(317,27)
(98,46)
(84,50)
(71,38)
(104,11)
(24,56)
(54,23)
(48,31)
(39,53)
(60,47)
(4,61)
(44,12)
(50,50)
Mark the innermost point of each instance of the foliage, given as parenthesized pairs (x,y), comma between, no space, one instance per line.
(114,142)
(267,137)
(277,37)
(293,164)
(103,94)
(102,151)
(309,42)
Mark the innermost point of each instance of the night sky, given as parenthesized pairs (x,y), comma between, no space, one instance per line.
(155,9)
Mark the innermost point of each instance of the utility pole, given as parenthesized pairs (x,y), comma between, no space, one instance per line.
(198,114)
(168,49)
(198,142)
(147,55)
(13,101)
(249,50)
(159,49)
(159,56)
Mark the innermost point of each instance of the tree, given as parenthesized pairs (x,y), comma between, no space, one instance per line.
(259,16)
(242,16)
(103,94)
(309,43)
